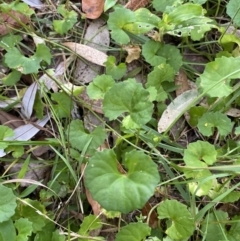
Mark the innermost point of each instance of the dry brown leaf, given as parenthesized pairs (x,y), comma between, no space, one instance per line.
(10,120)
(136,4)
(153,219)
(93,55)
(181,82)
(92,8)
(133,52)
(8,23)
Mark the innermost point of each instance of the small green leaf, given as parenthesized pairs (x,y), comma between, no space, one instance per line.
(7,231)
(7,203)
(216,80)
(210,120)
(116,71)
(195,113)
(233,11)
(42,53)
(29,209)
(79,137)
(17,151)
(70,18)
(162,5)
(99,86)
(121,192)
(89,223)
(130,97)
(9,41)
(237,130)
(156,53)
(200,151)
(133,232)
(38,106)
(116,22)
(161,73)
(109,4)
(14,59)
(12,78)
(64,104)
(182,222)
(198,156)
(24,228)
(5,132)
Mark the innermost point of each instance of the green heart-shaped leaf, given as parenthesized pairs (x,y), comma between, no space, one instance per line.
(121,192)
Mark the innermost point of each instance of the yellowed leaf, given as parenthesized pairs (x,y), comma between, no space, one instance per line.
(91,54)
(133,52)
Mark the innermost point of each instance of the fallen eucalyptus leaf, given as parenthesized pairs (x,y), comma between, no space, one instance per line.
(28,100)
(91,54)
(175,109)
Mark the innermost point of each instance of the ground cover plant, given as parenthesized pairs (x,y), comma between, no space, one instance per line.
(119,120)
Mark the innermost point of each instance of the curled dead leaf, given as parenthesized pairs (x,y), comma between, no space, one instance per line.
(136,4)
(93,8)
(133,52)
(91,54)
(8,23)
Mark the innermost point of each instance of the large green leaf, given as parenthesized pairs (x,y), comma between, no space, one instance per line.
(133,232)
(210,120)
(217,76)
(79,137)
(217,226)
(130,97)
(7,203)
(186,20)
(7,231)
(121,192)
(181,225)
(233,11)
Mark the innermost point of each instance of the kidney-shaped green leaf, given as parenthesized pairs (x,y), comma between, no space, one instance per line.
(121,192)
(182,222)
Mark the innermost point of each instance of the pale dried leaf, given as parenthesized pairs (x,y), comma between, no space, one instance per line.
(34,3)
(8,23)
(91,54)
(136,4)
(92,8)
(35,172)
(181,82)
(26,132)
(6,103)
(133,52)
(175,108)
(28,100)
(233,112)
(97,37)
